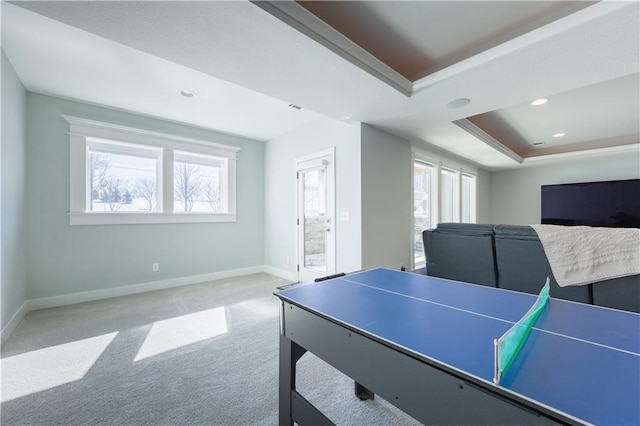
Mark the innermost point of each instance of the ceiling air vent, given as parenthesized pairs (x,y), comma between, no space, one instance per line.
(538,143)
(294,106)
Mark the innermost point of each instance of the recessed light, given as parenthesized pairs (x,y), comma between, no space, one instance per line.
(540,101)
(558,135)
(458,103)
(187,93)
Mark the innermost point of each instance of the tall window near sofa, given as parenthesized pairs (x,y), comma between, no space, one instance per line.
(423,181)
(449,195)
(441,193)
(468,198)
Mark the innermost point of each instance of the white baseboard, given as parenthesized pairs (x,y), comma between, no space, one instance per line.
(13,322)
(90,296)
(280,273)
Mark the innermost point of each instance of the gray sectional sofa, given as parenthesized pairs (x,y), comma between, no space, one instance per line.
(512,257)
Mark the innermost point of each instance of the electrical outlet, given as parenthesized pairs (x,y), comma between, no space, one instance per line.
(155,267)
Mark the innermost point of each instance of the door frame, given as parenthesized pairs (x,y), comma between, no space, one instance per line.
(302,163)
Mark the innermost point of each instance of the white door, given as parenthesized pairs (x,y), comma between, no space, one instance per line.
(315,220)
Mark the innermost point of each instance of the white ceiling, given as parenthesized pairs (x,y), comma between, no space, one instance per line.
(246,66)
(61,60)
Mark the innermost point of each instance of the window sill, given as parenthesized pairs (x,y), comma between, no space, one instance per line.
(146,218)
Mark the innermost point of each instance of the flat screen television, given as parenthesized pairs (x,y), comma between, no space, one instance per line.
(613,204)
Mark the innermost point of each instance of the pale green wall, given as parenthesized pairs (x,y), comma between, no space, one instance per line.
(515,194)
(483,196)
(13,227)
(66,259)
(386,199)
(280,191)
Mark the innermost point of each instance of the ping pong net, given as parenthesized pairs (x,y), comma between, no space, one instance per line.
(507,347)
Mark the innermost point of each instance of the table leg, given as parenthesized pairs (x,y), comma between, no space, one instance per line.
(362,392)
(290,353)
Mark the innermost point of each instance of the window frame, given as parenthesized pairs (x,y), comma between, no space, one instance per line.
(455,193)
(431,189)
(472,197)
(207,161)
(95,145)
(83,132)
(435,197)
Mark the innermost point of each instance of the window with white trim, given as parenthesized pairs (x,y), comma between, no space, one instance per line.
(441,193)
(423,174)
(199,183)
(468,198)
(122,175)
(449,195)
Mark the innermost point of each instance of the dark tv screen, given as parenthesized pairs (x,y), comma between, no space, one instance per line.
(613,204)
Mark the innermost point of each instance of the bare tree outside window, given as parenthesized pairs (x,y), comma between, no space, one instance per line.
(111,177)
(111,193)
(103,186)
(212,194)
(146,189)
(100,165)
(187,184)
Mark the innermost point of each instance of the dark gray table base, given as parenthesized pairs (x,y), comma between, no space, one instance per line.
(427,392)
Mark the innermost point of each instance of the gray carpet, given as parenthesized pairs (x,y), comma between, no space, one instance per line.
(200,354)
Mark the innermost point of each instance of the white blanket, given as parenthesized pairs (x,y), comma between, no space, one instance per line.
(581,255)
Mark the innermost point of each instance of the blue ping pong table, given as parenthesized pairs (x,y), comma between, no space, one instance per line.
(425,344)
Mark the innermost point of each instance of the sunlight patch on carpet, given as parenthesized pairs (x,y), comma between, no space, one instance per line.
(50,367)
(184,330)
(263,308)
